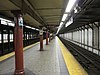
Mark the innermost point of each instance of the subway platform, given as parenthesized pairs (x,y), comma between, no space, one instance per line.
(55,59)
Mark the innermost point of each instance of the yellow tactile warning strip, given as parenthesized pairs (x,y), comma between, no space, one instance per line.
(72,64)
(4,57)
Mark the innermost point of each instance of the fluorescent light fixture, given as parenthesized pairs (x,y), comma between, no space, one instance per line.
(70,5)
(64,17)
(61,23)
(68,9)
(3,22)
(69,22)
(11,24)
(27,26)
(75,10)
(33,28)
(5,19)
(37,29)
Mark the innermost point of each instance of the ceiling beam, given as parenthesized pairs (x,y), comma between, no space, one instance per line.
(27,9)
(36,12)
(52,25)
(49,8)
(50,15)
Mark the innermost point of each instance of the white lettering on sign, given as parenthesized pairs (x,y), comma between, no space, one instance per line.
(20,21)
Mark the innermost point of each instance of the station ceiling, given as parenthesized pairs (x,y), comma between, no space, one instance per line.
(36,12)
(88,14)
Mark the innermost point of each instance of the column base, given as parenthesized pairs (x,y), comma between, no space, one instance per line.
(19,72)
(46,44)
(41,49)
(26,72)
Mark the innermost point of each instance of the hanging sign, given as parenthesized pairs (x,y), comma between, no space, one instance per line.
(20,21)
(41,32)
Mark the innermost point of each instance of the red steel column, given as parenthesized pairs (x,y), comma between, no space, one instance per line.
(18,43)
(47,38)
(41,40)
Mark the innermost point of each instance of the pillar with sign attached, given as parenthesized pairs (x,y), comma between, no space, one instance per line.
(18,43)
(46,37)
(41,40)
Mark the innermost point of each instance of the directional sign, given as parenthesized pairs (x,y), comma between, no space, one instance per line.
(41,32)
(20,21)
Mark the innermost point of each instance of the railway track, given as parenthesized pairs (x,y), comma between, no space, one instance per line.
(89,61)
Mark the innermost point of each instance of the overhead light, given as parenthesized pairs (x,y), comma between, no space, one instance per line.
(68,9)
(27,26)
(75,10)
(33,28)
(70,5)
(11,24)
(37,29)
(64,17)
(61,23)
(69,22)
(3,22)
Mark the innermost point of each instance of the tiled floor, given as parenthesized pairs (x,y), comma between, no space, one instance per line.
(47,62)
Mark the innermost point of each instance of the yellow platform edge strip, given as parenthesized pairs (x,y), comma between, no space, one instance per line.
(4,57)
(72,64)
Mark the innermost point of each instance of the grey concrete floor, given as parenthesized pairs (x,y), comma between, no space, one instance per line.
(38,62)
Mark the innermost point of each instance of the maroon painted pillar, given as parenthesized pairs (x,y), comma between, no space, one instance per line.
(47,38)
(41,40)
(18,43)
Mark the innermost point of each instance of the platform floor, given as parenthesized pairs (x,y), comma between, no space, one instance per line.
(47,62)
(51,61)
